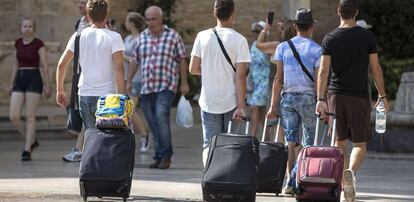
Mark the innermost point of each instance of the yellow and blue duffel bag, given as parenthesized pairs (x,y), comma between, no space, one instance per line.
(114,111)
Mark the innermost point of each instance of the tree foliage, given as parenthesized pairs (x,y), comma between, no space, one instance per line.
(393,26)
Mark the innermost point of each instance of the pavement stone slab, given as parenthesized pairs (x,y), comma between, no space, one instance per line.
(48,178)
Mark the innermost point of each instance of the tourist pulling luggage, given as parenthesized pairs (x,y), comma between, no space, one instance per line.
(231,169)
(320,169)
(273,160)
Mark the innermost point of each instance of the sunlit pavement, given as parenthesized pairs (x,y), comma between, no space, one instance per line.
(48,178)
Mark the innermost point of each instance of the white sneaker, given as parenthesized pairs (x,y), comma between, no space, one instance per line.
(74,156)
(289,190)
(145,143)
(349,185)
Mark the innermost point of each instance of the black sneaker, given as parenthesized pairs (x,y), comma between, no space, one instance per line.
(26,156)
(34,145)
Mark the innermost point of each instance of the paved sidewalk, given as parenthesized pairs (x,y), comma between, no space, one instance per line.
(48,178)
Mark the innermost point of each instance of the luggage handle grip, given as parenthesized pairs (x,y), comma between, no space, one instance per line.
(333,115)
(266,125)
(244,118)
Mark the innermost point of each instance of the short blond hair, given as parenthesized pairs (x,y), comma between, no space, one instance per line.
(97,10)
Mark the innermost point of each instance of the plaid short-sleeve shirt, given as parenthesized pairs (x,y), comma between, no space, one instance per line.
(159,58)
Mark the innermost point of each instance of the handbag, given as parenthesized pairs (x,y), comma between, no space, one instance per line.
(74,123)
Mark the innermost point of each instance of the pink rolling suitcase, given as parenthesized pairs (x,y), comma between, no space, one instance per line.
(320,170)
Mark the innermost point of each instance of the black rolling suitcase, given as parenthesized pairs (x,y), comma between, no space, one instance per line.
(107,163)
(230,173)
(272,165)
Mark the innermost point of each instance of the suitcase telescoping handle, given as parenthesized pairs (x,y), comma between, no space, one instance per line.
(318,120)
(244,118)
(268,125)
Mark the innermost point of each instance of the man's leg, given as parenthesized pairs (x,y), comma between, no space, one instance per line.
(359,150)
(342,144)
(87,109)
(148,107)
(290,123)
(213,124)
(162,112)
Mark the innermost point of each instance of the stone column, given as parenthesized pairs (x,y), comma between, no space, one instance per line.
(404,103)
(398,136)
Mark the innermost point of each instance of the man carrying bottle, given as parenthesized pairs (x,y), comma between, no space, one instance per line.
(347,52)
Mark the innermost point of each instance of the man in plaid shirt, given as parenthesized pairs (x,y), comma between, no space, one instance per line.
(160,54)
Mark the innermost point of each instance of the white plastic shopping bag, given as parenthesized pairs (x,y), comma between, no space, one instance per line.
(184,116)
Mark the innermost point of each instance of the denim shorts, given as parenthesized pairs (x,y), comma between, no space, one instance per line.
(297,109)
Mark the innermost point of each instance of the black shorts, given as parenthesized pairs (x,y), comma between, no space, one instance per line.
(28,80)
(353,115)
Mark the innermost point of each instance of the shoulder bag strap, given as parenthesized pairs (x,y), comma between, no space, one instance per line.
(223,49)
(296,54)
(76,73)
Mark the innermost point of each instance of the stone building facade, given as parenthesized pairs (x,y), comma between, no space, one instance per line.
(55,21)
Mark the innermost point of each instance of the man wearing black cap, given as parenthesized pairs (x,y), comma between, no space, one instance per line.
(347,52)
(297,77)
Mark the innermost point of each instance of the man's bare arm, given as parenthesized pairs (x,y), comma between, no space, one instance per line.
(195,65)
(378,78)
(322,78)
(184,88)
(119,71)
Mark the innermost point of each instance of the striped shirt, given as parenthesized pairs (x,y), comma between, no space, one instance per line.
(159,58)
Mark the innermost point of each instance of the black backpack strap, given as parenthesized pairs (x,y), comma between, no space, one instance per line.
(223,49)
(74,102)
(296,54)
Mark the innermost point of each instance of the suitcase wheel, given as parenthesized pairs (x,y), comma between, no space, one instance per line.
(336,193)
(85,198)
(124,198)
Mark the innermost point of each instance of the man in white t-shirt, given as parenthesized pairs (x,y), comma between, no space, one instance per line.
(75,154)
(223,88)
(101,59)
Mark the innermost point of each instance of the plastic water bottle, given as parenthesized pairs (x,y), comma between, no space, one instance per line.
(381,118)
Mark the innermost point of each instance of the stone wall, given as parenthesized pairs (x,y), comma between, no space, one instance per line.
(55,20)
